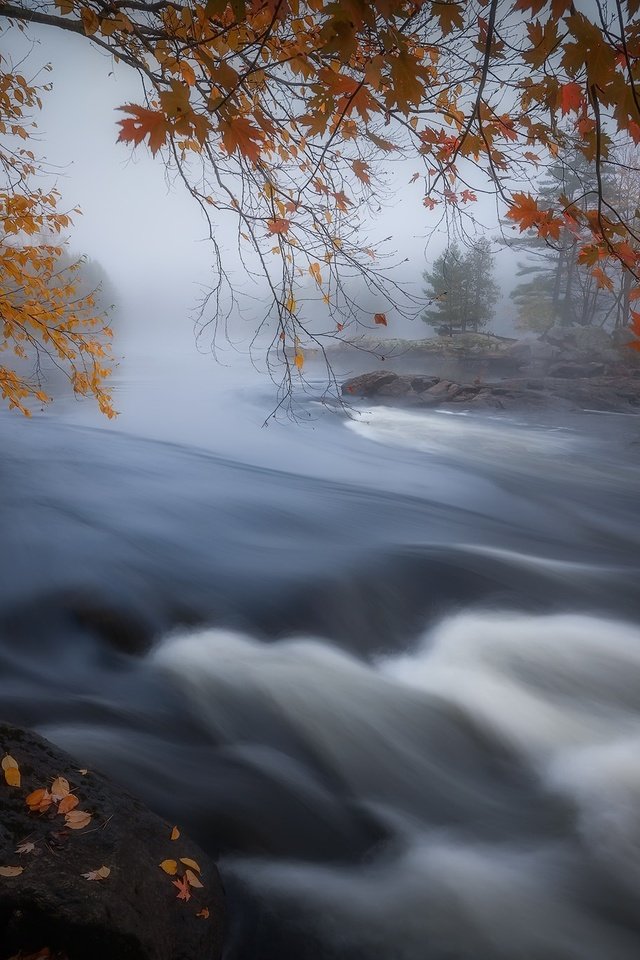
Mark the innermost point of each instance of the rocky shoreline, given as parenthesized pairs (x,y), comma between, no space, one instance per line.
(584,388)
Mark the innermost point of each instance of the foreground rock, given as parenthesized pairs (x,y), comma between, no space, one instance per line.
(581,386)
(135,912)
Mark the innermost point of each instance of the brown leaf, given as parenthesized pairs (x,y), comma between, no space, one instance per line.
(204,913)
(169,866)
(192,879)
(59,788)
(26,848)
(77,819)
(190,863)
(11,871)
(101,874)
(380,318)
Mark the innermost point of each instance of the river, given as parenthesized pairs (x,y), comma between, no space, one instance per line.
(384,665)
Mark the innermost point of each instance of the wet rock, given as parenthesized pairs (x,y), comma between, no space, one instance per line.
(368,384)
(132,914)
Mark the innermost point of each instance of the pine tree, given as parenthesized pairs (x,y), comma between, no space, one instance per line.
(462,288)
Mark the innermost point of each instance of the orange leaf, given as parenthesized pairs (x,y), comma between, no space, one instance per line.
(39,800)
(11,771)
(204,913)
(144,123)
(169,866)
(175,833)
(278,225)
(183,886)
(299,360)
(70,802)
(380,318)
(571,97)
(239,134)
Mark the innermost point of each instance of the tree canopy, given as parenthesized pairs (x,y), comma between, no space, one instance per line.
(278,113)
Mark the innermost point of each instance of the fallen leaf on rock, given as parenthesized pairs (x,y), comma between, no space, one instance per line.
(26,848)
(194,881)
(100,874)
(11,871)
(183,887)
(60,788)
(175,833)
(70,802)
(11,771)
(169,866)
(77,819)
(83,772)
(39,800)
(190,863)
(204,913)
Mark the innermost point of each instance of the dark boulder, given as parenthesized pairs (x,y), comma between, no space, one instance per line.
(136,912)
(368,384)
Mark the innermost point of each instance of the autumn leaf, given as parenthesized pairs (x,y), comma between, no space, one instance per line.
(241,136)
(142,124)
(100,874)
(83,772)
(449,14)
(204,913)
(194,880)
(278,225)
(11,771)
(314,270)
(571,97)
(361,171)
(39,800)
(380,318)
(77,819)
(70,802)
(298,359)
(59,789)
(169,866)
(11,871)
(524,210)
(175,833)
(26,848)
(183,887)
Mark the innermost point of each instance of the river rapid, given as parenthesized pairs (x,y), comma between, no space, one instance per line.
(385,666)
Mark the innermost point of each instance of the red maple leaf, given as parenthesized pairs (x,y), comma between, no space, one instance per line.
(183,886)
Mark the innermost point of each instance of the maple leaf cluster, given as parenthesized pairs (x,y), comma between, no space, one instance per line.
(282,113)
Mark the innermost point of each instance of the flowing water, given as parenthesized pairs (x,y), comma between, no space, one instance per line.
(385,667)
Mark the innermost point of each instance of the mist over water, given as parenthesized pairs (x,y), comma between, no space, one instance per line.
(385,665)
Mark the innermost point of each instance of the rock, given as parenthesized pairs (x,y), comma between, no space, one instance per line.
(574,371)
(622,337)
(442,389)
(420,384)
(133,914)
(368,384)
(520,352)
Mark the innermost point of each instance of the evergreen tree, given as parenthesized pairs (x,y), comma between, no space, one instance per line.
(462,288)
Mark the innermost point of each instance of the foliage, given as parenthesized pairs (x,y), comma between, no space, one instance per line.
(461,288)
(43,311)
(276,111)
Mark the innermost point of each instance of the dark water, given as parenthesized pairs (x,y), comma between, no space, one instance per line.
(387,669)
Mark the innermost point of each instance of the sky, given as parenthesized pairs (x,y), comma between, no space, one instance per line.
(148,234)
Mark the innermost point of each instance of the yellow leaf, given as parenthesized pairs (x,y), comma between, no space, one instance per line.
(11,871)
(8,763)
(169,866)
(299,360)
(314,270)
(290,304)
(11,771)
(175,833)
